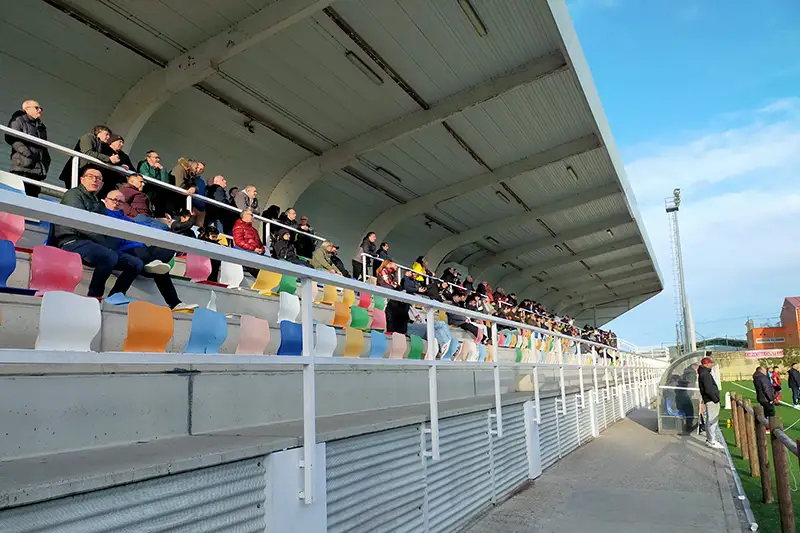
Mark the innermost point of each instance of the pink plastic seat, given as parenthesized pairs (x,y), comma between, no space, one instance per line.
(198,268)
(253,335)
(378,320)
(399,346)
(54,269)
(11,227)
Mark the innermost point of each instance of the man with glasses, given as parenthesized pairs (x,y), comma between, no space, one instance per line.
(152,168)
(29,159)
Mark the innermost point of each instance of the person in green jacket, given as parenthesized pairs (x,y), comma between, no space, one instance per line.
(321,259)
(152,168)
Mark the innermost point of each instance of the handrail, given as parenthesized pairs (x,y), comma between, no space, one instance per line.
(778,432)
(400,268)
(147,179)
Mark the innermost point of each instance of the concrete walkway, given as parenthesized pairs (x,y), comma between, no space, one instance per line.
(629,480)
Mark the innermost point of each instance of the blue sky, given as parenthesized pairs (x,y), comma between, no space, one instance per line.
(705,95)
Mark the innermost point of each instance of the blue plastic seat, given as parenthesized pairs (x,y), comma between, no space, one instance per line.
(451,351)
(377,344)
(209,331)
(291,338)
(482,352)
(8,261)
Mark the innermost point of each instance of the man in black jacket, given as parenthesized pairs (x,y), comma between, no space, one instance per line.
(709,392)
(794,384)
(94,248)
(29,159)
(93,144)
(765,392)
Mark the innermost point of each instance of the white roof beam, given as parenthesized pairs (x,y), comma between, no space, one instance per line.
(305,174)
(609,295)
(510,254)
(609,304)
(596,269)
(153,90)
(573,290)
(569,258)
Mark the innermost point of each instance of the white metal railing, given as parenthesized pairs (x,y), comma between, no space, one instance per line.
(77,156)
(574,359)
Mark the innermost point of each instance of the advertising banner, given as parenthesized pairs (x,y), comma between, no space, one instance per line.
(762,354)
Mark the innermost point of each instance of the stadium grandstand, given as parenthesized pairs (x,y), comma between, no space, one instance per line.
(416,210)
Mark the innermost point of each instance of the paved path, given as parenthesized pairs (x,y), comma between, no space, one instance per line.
(629,480)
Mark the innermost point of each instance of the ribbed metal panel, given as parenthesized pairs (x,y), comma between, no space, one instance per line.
(568,427)
(226,498)
(548,433)
(376,482)
(608,409)
(585,417)
(509,453)
(459,484)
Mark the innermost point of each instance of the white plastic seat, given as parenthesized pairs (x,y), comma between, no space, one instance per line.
(326,341)
(72,331)
(290,307)
(231,274)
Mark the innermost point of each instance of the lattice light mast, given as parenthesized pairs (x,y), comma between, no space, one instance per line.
(684,325)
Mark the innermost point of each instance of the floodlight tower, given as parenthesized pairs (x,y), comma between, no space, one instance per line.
(684,324)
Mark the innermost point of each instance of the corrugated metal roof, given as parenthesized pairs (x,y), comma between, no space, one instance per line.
(554,181)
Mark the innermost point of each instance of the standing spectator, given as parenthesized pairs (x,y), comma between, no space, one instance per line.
(323,258)
(765,394)
(95,249)
(289,218)
(151,167)
(776,383)
(210,234)
(397,312)
(383,255)
(90,144)
(468,284)
(709,392)
(112,179)
(794,384)
(273,214)
(216,216)
(368,247)
(182,175)
(305,245)
(199,206)
(29,159)
(420,266)
(232,192)
(387,274)
(246,199)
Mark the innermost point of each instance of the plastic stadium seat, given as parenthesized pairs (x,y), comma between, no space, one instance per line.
(519,355)
(209,331)
(8,261)
(470,350)
(314,290)
(463,351)
(198,268)
(416,348)
(377,344)
(266,282)
(291,339)
(150,328)
(348,296)
(326,341)
(379,302)
(479,336)
(11,227)
(482,352)
(378,319)
(441,316)
(451,350)
(12,182)
(287,284)
(341,315)
(290,307)
(230,274)
(54,269)
(399,346)
(364,300)
(253,335)
(353,342)
(359,317)
(68,331)
(329,295)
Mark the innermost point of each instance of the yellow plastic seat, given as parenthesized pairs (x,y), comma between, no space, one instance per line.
(353,342)
(329,295)
(348,297)
(150,327)
(266,282)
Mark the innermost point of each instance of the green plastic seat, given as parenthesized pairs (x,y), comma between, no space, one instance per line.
(379,302)
(416,348)
(359,317)
(519,355)
(287,284)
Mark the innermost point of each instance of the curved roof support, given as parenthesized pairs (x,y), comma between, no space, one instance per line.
(604,293)
(301,177)
(573,289)
(510,254)
(153,90)
(581,308)
(513,277)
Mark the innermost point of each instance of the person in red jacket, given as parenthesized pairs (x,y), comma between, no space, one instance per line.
(776,383)
(245,236)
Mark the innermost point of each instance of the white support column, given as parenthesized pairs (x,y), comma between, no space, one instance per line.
(309,392)
(498,403)
(74,169)
(560,354)
(536,394)
(433,398)
(431,334)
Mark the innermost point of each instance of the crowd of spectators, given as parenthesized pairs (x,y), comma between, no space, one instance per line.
(127,196)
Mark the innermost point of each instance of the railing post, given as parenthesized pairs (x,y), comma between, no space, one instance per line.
(763,457)
(536,394)
(751,439)
(189,202)
(431,334)
(560,355)
(309,392)
(364,269)
(745,446)
(433,398)
(781,462)
(735,421)
(267,239)
(580,377)
(74,171)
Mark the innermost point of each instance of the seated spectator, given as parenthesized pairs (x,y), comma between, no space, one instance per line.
(468,284)
(112,179)
(305,244)
(338,262)
(91,144)
(151,167)
(219,217)
(183,223)
(246,199)
(368,247)
(323,258)
(441,331)
(397,312)
(138,205)
(155,259)
(245,236)
(387,274)
(285,249)
(437,290)
(28,159)
(210,234)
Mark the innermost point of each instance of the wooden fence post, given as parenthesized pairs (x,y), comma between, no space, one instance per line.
(779,458)
(763,457)
(750,429)
(742,428)
(735,421)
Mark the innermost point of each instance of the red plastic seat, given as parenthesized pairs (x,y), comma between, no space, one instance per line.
(11,227)
(198,268)
(54,269)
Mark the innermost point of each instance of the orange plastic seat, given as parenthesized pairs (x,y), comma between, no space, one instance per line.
(341,315)
(150,327)
(54,269)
